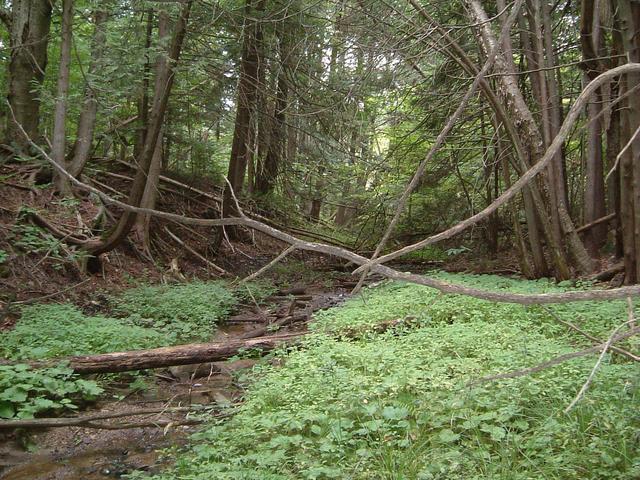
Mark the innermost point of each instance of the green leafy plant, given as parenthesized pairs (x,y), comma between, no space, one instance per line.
(399,404)
(25,392)
(33,239)
(46,331)
(184,312)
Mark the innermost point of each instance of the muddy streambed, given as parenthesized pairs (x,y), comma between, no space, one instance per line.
(78,453)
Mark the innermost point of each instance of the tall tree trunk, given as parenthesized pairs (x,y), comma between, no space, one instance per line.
(28,41)
(143,102)
(629,23)
(87,120)
(244,131)
(59,140)
(160,100)
(151,188)
(531,140)
(594,192)
(268,169)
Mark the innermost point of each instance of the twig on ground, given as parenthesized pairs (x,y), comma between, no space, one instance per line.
(598,341)
(550,363)
(89,419)
(194,253)
(51,295)
(273,262)
(609,342)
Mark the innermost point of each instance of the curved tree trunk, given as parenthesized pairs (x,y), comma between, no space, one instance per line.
(161,98)
(87,120)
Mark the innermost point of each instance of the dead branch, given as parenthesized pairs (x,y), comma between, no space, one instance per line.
(196,254)
(82,421)
(598,341)
(553,362)
(273,262)
(608,344)
(600,220)
(376,266)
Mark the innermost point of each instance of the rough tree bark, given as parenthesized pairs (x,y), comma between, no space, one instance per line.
(268,167)
(534,147)
(151,188)
(59,140)
(628,19)
(28,41)
(87,121)
(594,192)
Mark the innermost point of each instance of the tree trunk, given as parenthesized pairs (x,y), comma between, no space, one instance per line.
(143,103)
(170,356)
(244,131)
(87,120)
(594,193)
(534,148)
(160,100)
(28,41)
(59,139)
(629,23)
(151,188)
(267,171)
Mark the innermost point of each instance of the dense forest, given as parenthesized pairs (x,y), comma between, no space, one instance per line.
(373,239)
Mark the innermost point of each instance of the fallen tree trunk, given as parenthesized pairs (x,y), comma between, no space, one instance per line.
(88,421)
(168,356)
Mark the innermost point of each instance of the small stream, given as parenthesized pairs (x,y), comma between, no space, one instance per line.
(76,453)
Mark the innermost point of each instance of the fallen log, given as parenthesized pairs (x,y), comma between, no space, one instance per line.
(608,274)
(90,419)
(168,356)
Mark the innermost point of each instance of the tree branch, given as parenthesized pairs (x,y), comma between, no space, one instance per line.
(445,287)
(554,148)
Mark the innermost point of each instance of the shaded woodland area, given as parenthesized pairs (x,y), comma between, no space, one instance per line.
(321,113)
(160,159)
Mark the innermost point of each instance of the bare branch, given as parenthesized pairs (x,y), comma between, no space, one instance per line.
(445,287)
(554,148)
(279,258)
(608,344)
(551,363)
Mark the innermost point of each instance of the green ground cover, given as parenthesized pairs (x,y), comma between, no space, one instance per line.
(143,317)
(398,405)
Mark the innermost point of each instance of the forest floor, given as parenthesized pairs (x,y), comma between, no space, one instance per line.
(351,400)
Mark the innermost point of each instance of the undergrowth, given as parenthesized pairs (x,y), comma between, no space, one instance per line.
(148,317)
(399,405)
(25,392)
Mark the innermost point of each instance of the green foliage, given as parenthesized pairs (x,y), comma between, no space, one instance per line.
(183,312)
(3,256)
(398,405)
(156,316)
(24,392)
(46,331)
(32,239)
